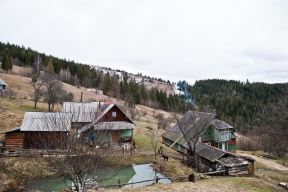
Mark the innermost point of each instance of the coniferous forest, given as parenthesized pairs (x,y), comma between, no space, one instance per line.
(235,102)
(79,74)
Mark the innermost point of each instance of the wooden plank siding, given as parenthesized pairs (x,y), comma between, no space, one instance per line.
(120,116)
(14,141)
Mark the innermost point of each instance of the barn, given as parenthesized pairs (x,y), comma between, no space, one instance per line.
(39,130)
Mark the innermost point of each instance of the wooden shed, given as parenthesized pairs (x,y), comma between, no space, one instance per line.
(39,130)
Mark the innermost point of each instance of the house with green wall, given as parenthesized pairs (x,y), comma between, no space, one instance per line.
(214,143)
(212,131)
(111,125)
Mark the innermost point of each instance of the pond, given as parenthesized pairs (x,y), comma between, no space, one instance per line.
(126,175)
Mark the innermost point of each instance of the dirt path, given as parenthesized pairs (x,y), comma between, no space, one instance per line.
(268,162)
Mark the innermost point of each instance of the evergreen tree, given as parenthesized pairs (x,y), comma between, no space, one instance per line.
(50,65)
(6,61)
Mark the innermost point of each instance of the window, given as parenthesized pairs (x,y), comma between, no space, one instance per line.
(113,114)
(179,147)
(224,135)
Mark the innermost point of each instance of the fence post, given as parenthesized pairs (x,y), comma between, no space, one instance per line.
(119,182)
(157,179)
(123,150)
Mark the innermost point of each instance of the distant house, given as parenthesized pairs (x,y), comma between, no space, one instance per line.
(215,147)
(39,130)
(99,92)
(112,125)
(2,86)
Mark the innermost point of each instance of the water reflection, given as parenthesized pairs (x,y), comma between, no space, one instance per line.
(125,175)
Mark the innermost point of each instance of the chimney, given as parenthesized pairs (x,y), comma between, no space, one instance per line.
(99,110)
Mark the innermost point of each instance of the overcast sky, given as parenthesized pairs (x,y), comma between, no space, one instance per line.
(175,40)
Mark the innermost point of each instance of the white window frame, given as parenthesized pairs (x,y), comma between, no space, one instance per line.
(224,135)
(113,114)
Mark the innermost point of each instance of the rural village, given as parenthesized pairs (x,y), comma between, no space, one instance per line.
(88,140)
(145,96)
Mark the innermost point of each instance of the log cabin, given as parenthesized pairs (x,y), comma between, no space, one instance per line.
(39,130)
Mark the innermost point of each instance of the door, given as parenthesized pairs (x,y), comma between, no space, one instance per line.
(115,135)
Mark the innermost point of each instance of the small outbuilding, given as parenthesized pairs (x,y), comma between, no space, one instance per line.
(39,130)
(2,86)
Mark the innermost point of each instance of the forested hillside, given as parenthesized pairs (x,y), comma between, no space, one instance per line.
(234,100)
(79,74)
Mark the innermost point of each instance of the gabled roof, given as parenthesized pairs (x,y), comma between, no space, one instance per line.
(220,124)
(88,126)
(83,112)
(191,120)
(2,82)
(44,121)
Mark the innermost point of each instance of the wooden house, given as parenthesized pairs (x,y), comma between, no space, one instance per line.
(2,86)
(39,130)
(218,134)
(84,113)
(112,125)
(214,148)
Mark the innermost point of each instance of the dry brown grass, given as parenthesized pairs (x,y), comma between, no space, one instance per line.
(216,184)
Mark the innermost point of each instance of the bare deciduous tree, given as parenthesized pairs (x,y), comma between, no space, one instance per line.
(53,90)
(81,164)
(38,90)
(38,64)
(192,125)
(10,92)
(272,125)
(154,138)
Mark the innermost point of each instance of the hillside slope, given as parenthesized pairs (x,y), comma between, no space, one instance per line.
(12,113)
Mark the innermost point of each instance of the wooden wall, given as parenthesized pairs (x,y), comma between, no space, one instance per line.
(120,116)
(14,141)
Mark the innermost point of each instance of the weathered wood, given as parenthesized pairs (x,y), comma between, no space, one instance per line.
(142,181)
(119,182)
(213,172)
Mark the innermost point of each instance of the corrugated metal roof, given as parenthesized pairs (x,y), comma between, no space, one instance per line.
(220,124)
(42,121)
(88,126)
(2,82)
(11,130)
(113,126)
(82,112)
(206,151)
